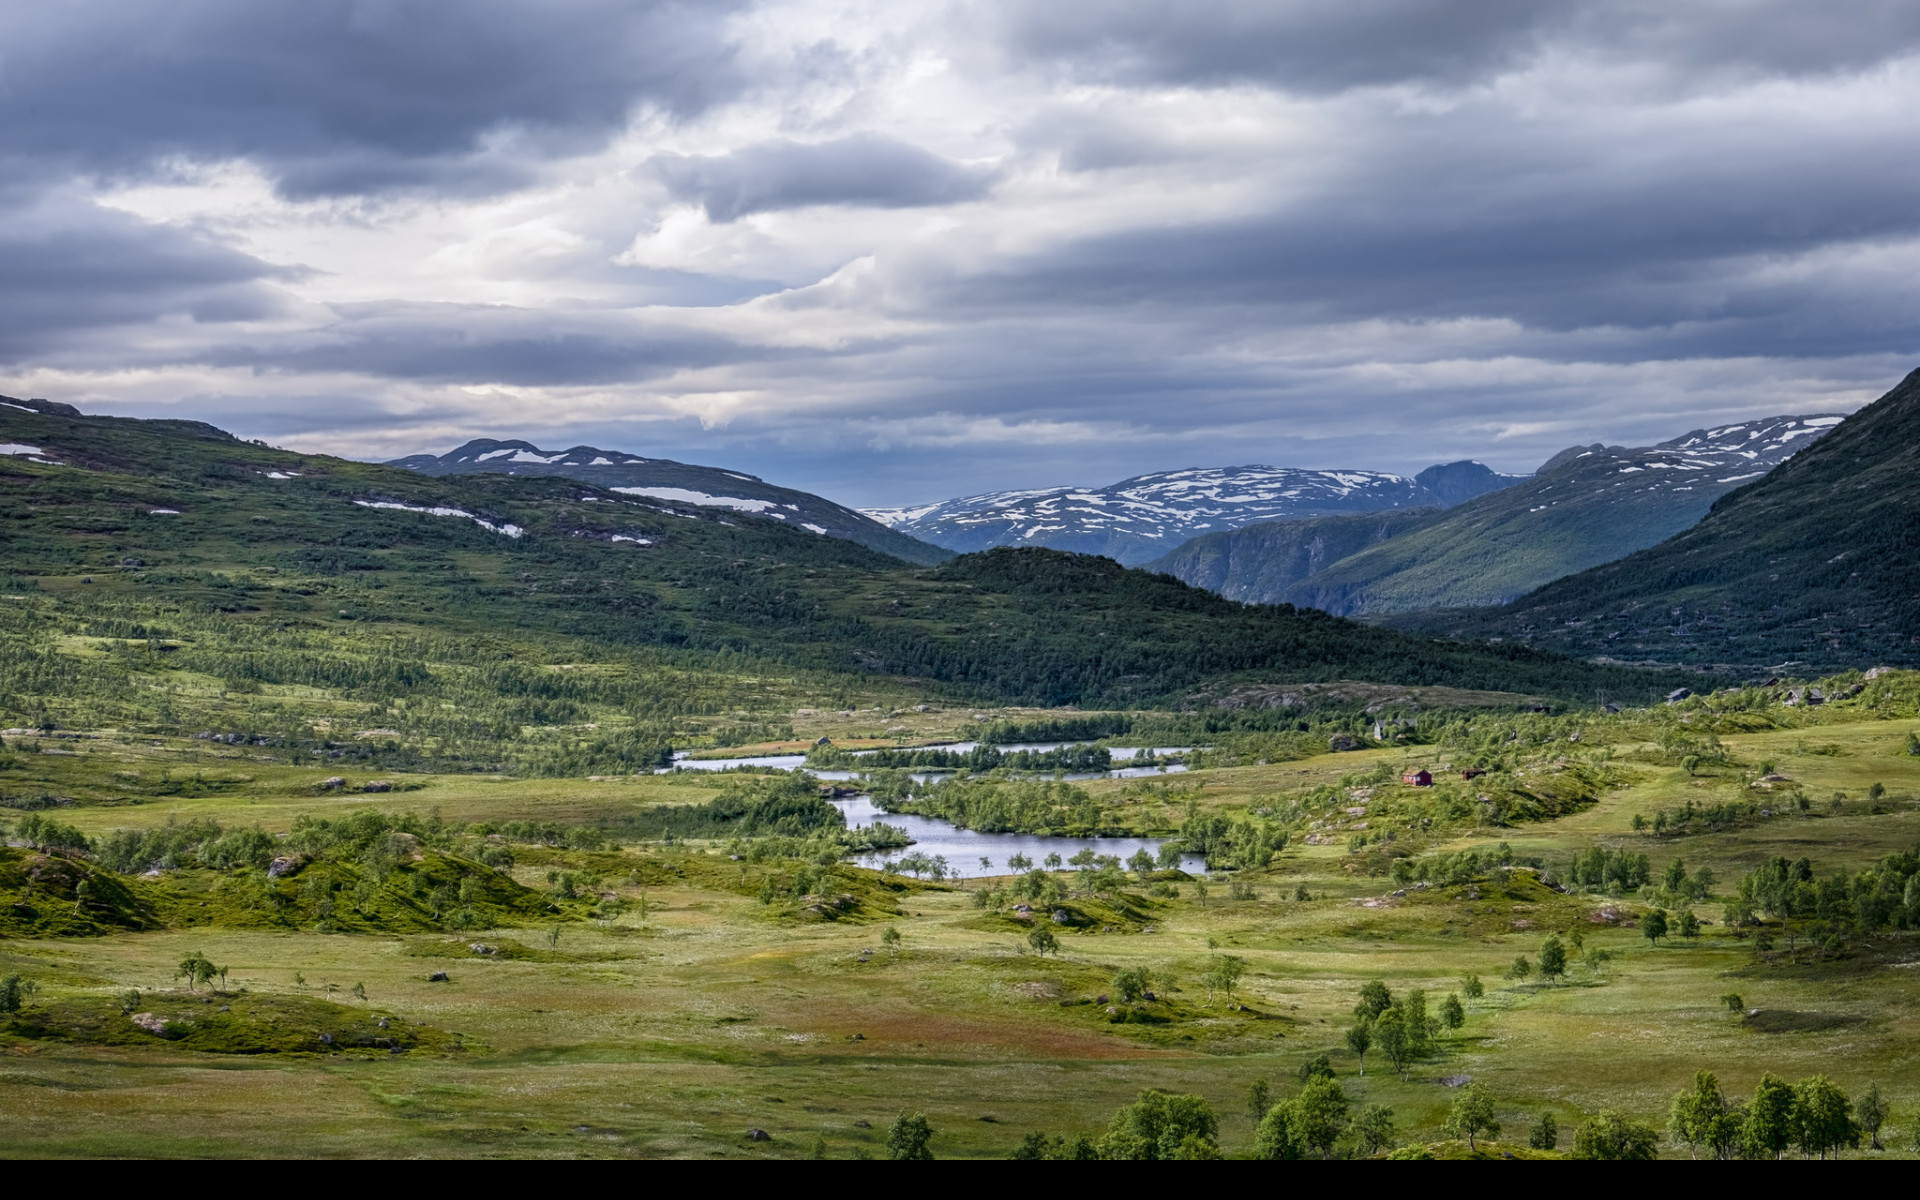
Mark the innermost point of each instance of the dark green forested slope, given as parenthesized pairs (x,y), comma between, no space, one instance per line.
(177,543)
(1817,563)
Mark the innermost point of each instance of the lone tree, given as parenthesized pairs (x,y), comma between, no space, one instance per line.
(1224,976)
(1360,1040)
(1520,969)
(1689,924)
(1259,1100)
(1653,926)
(1452,1013)
(907,1138)
(195,968)
(1826,1122)
(890,938)
(1374,1000)
(1390,1034)
(1372,1129)
(1696,1114)
(1130,984)
(1612,1135)
(14,991)
(1320,1114)
(1472,986)
(1041,941)
(1472,1114)
(1545,1134)
(1772,1116)
(1553,959)
(1872,1114)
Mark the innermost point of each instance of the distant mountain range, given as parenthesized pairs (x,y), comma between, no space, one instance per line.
(1142,518)
(664,479)
(1813,566)
(1586,505)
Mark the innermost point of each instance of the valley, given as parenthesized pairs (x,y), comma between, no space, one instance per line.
(352,810)
(694,1012)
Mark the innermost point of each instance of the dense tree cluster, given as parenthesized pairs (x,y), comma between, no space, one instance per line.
(1814,1117)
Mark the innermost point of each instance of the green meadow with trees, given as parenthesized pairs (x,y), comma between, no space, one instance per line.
(333,824)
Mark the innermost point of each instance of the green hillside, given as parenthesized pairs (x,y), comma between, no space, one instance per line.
(710,487)
(165,575)
(1817,564)
(1261,564)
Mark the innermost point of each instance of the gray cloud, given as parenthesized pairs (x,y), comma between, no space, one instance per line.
(862,171)
(1367,233)
(1307,45)
(74,269)
(1324,46)
(345,97)
(461,344)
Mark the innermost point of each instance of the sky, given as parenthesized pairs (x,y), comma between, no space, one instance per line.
(897,252)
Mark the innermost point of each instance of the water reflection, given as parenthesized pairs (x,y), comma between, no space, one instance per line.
(787,762)
(965,848)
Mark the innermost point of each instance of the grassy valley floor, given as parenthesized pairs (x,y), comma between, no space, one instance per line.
(699,1014)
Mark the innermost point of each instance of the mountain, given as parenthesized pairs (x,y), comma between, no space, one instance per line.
(1814,566)
(160,575)
(1144,517)
(684,483)
(1585,506)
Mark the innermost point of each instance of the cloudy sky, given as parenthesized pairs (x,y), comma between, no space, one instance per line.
(901,251)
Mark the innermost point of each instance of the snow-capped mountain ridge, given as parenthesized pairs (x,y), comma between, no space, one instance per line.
(1140,518)
(1585,506)
(675,482)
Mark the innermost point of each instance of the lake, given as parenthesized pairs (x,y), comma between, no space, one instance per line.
(787,762)
(964,848)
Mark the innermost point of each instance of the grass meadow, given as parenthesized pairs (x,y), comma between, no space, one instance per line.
(699,1013)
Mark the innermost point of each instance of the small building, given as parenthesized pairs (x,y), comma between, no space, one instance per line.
(1417,779)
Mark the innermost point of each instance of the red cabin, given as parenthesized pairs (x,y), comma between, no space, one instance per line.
(1417,779)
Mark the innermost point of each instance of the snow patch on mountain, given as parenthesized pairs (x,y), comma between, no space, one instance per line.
(1141,518)
(512,531)
(688,496)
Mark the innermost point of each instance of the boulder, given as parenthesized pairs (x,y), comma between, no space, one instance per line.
(286,864)
(438,977)
(157,1026)
(333,782)
(376,785)
(1341,742)
(759,1135)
